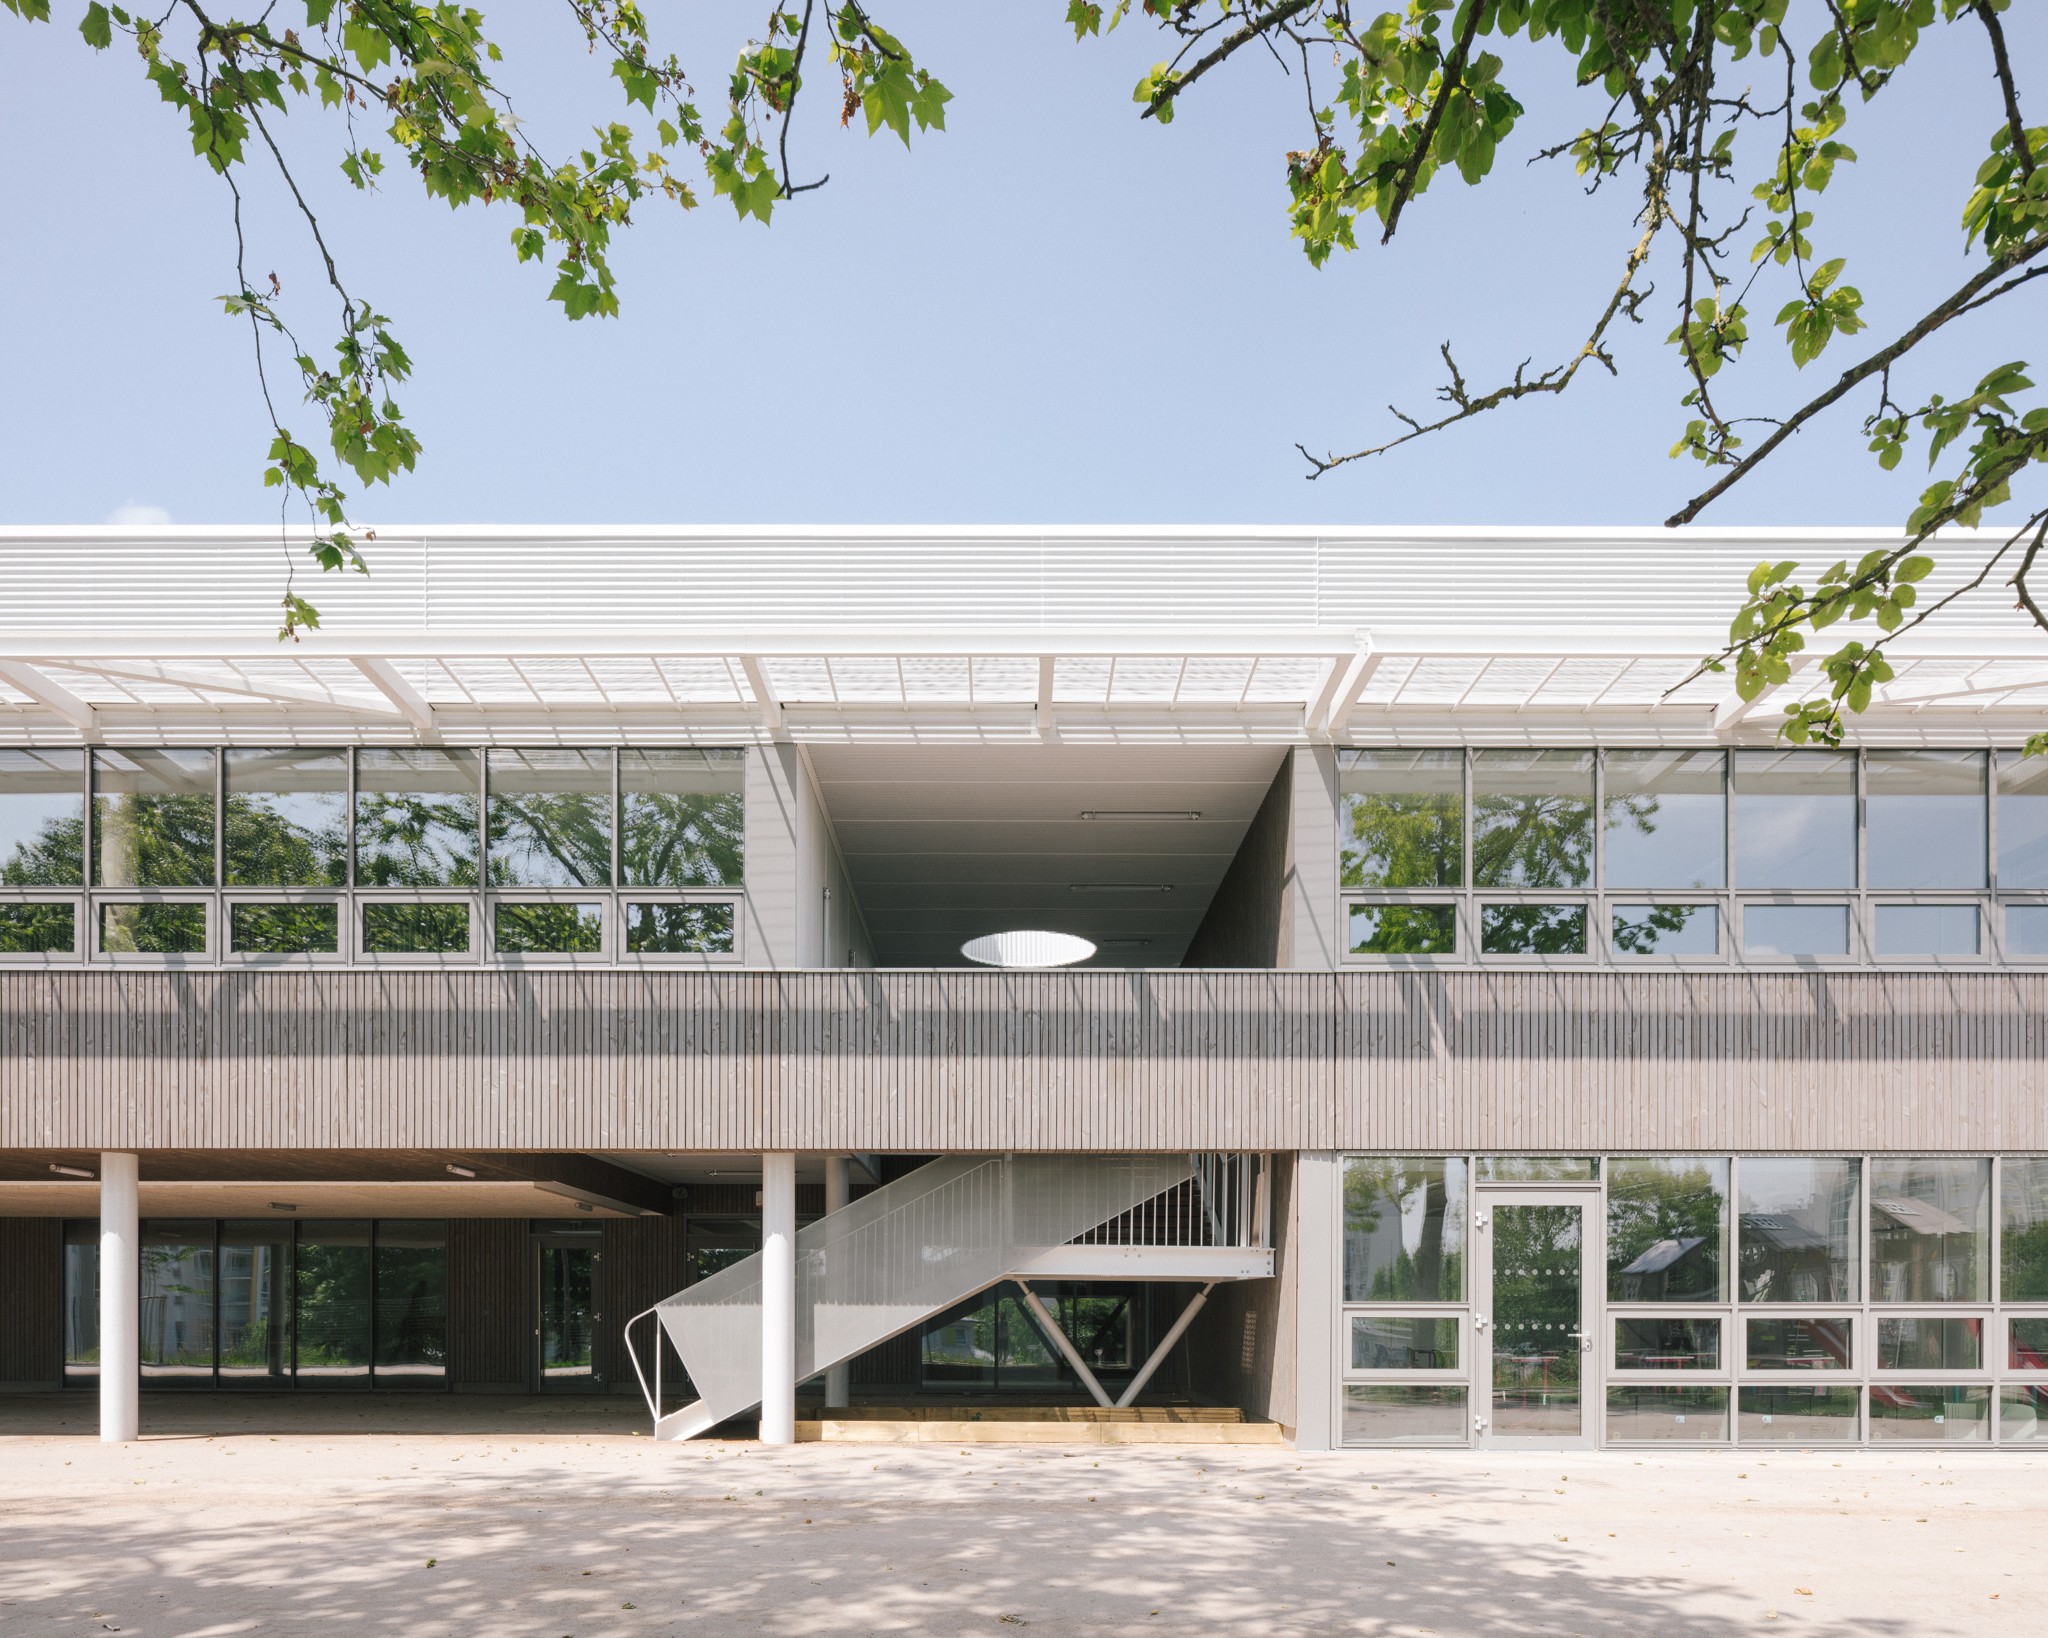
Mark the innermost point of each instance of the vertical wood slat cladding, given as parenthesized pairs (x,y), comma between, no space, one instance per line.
(645,1260)
(931,1061)
(32,1302)
(490,1304)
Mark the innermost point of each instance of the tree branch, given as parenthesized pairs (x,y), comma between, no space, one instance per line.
(2023,153)
(1453,81)
(1959,302)
(1253,29)
(1625,300)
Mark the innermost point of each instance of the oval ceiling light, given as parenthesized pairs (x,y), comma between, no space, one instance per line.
(1027,949)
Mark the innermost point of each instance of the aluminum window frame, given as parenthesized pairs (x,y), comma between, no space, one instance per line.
(81,933)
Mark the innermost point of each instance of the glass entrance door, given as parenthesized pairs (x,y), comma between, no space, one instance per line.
(566,1336)
(1534,1319)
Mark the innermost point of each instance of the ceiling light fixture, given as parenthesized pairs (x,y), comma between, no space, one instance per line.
(71,1171)
(282,1205)
(460,1171)
(1027,948)
(1124,943)
(1140,815)
(1120,887)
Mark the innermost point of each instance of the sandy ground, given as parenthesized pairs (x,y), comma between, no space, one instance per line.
(563,1523)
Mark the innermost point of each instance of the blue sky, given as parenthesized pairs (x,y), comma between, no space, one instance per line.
(1051,313)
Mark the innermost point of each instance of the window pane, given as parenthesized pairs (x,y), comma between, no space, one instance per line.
(2022,820)
(682,820)
(1666,819)
(1799,1230)
(256,1304)
(1930,1230)
(82,1299)
(1538,1168)
(1404,1230)
(152,818)
(1924,818)
(412,1303)
(1653,1343)
(2021,1414)
(1404,929)
(2027,1345)
(2026,929)
(550,929)
(284,929)
(1532,929)
(1389,1342)
(1787,1342)
(1920,1343)
(42,818)
(38,929)
(416,817)
(1667,929)
(334,1304)
(1950,1415)
(2023,1240)
(1403,821)
(1385,1413)
(1927,929)
(287,818)
(1795,929)
(1532,818)
(1791,1415)
(679,929)
(1795,819)
(177,1302)
(1666,1221)
(551,818)
(415,929)
(1667,1416)
(153,929)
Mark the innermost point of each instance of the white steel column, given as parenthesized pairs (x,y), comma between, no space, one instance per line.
(778,1298)
(838,1191)
(120,1299)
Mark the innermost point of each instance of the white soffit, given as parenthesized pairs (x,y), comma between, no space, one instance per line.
(951,637)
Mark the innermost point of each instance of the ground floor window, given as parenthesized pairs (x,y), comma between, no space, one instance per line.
(1693,1299)
(228,1303)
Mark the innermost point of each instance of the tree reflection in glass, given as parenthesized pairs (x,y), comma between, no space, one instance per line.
(1404,1229)
(683,818)
(152,818)
(1532,818)
(286,822)
(1404,818)
(416,817)
(42,818)
(550,818)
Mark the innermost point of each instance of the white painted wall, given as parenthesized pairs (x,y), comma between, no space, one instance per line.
(1318,941)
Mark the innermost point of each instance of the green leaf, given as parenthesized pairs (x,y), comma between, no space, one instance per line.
(97,26)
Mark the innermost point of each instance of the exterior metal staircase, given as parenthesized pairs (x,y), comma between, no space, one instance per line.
(949,1230)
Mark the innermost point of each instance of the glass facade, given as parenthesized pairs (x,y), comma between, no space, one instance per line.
(1748,1299)
(1623,857)
(273,1304)
(420,854)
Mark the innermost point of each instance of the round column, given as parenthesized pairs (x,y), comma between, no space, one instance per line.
(778,1298)
(120,1299)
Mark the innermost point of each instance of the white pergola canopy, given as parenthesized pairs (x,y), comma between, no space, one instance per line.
(950,636)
